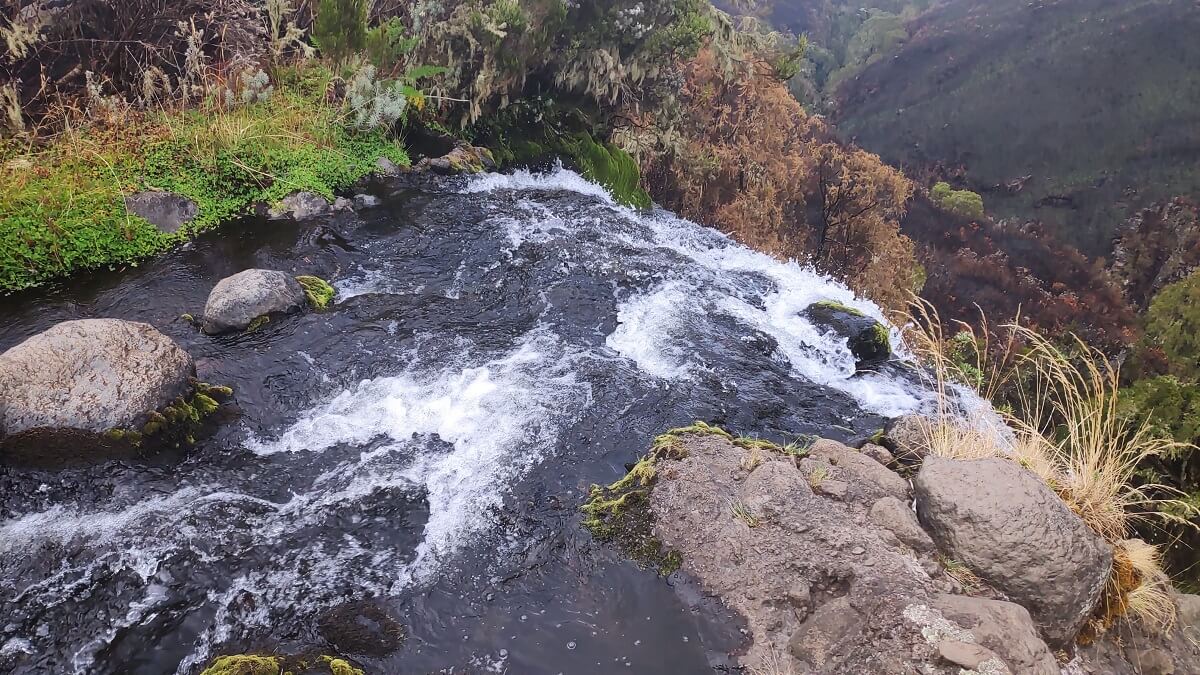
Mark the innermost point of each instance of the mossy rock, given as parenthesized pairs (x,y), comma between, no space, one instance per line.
(317,290)
(253,664)
(869,340)
(620,513)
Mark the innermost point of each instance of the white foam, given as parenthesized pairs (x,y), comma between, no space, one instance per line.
(557,179)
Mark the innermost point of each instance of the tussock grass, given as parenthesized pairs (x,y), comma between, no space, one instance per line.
(1066,427)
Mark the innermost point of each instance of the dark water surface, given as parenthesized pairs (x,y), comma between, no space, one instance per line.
(420,450)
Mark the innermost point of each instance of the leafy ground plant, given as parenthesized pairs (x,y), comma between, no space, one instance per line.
(62,206)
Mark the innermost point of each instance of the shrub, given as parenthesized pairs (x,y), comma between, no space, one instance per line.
(961,202)
(375,104)
(1173,326)
(340,28)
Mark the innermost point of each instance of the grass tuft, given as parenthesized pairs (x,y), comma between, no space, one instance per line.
(1066,428)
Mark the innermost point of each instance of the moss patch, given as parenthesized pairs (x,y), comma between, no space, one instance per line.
(832,306)
(245,664)
(879,339)
(177,422)
(317,290)
(251,664)
(620,513)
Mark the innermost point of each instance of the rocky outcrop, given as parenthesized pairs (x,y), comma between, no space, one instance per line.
(67,388)
(300,206)
(867,338)
(1003,523)
(843,580)
(238,301)
(165,210)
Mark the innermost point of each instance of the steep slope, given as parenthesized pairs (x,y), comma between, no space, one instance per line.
(1093,100)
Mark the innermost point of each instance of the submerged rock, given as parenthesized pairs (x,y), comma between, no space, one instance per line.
(1003,523)
(300,206)
(238,301)
(73,385)
(165,210)
(867,338)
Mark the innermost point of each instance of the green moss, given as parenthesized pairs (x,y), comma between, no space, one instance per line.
(620,512)
(257,323)
(837,307)
(340,666)
(611,167)
(245,664)
(880,339)
(317,290)
(62,211)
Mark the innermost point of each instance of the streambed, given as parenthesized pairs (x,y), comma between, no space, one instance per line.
(422,448)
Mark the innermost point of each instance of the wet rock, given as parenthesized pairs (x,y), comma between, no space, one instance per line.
(464,158)
(1004,628)
(362,629)
(972,657)
(165,210)
(867,338)
(300,206)
(239,300)
(67,387)
(365,201)
(904,437)
(894,516)
(1004,524)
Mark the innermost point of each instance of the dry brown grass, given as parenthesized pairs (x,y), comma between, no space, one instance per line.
(1066,428)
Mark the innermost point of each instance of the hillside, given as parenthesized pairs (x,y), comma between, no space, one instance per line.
(1093,100)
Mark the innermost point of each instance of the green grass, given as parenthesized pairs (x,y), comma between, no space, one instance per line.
(62,207)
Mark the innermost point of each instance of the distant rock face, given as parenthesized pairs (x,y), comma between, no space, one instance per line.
(867,338)
(165,210)
(1003,523)
(81,379)
(236,301)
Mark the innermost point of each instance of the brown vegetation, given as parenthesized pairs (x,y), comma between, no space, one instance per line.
(751,162)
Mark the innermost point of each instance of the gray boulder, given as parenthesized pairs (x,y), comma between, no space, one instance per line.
(904,437)
(1003,628)
(894,516)
(165,210)
(236,301)
(1003,523)
(81,379)
(300,206)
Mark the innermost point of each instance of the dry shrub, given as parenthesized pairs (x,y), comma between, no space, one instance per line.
(742,155)
(1065,426)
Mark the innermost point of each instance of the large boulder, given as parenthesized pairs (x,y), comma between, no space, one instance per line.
(80,380)
(238,301)
(1009,528)
(867,338)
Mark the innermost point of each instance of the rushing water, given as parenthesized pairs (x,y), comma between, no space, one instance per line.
(421,449)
